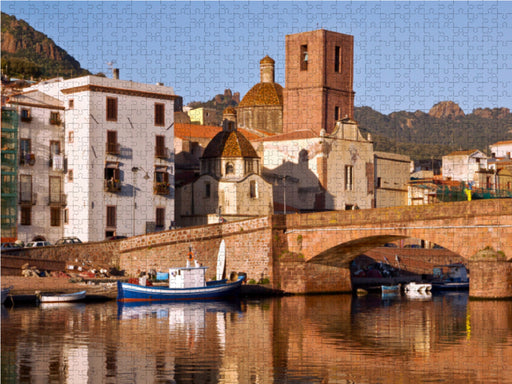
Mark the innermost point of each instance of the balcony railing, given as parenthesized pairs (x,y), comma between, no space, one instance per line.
(162,188)
(27,158)
(55,121)
(58,199)
(113,148)
(57,163)
(28,198)
(112,186)
(162,153)
(26,119)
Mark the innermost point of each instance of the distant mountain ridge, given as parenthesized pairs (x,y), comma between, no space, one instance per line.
(444,128)
(28,53)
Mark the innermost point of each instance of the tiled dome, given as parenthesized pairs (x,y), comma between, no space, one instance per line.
(267,60)
(263,94)
(229,144)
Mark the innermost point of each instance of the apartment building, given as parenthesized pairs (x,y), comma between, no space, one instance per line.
(95,158)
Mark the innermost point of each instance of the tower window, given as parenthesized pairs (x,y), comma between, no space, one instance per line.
(349,181)
(336,113)
(337,59)
(304,57)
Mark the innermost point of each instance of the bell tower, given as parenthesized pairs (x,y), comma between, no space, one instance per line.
(319,80)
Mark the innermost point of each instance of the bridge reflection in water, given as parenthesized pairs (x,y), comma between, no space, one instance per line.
(304,339)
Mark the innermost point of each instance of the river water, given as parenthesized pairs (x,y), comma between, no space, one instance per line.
(296,339)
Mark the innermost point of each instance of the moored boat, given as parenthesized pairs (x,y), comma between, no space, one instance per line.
(450,277)
(417,287)
(59,297)
(5,293)
(187,283)
(390,288)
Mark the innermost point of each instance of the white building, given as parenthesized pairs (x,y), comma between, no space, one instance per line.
(501,149)
(41,170)
(464,165)
(115,137)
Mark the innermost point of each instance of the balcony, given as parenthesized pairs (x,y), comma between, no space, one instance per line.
(28,198)
(26,119)
(162,153)
(57,163)
(162,188)
(27,159)
(55,121)
(58,200)
(112,185)
(113,148)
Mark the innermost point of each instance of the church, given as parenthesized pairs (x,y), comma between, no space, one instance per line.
(309,151)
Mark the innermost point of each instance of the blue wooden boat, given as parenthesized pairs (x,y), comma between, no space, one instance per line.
(390,289)
(186,283)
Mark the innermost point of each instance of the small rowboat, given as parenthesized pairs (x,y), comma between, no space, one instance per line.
(417,287)
(46,297)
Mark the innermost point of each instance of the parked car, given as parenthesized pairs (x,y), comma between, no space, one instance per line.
(33,244)
(68,240)
(6,246)
(117,237)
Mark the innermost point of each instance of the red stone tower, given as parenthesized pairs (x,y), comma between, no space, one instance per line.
(319,80)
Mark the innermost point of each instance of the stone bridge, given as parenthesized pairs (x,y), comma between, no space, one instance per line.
(306,253)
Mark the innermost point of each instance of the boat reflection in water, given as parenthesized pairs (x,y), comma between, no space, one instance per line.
(175,311)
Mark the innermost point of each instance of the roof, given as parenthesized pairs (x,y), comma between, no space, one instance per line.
(229,144)
(505,142)
(263,94)
(463,153)
(36,99)
(297,135)
(267,59)
(186,131)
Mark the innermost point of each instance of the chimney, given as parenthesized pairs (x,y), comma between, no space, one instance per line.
(115,72)
(267,70)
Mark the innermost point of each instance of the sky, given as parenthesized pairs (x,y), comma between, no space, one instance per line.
(407,55)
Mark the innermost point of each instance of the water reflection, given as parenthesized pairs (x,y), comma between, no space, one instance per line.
(300,339)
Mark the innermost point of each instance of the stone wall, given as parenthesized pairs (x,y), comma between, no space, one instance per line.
(490,279)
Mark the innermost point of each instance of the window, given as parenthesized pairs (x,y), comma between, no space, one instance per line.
(229,168)
(55,190)
(26,189)
(304,57)
(336,113)
(66,216)
(55,217)
(337,59)
(26,215)
(160,218)
(71,136)
(55,118)
(70,175)
(111,109)
(249,167)
(349,177)
(160,147)
(207,190)
(159,114)
(25,115)
(54,148)
(71,104)
(253,189)
(25,146)
(112,177)
(111,216)
(112,144)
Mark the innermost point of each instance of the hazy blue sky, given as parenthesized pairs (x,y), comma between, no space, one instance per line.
(408,55)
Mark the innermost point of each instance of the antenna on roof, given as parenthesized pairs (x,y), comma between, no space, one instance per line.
(111,67)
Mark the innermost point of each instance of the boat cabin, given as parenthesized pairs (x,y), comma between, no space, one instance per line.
(187,277)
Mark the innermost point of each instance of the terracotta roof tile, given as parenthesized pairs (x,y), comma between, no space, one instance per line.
(263,94)
(297,135)
(185,131)
(229,144)
(462,153)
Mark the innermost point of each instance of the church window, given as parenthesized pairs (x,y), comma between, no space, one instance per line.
(249,168)
(304,57)
(336,113)
(349,181)
(229,168)
(253,189)
(207,190)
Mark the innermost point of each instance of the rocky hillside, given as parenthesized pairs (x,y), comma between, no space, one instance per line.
(27,53)
(445,127)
